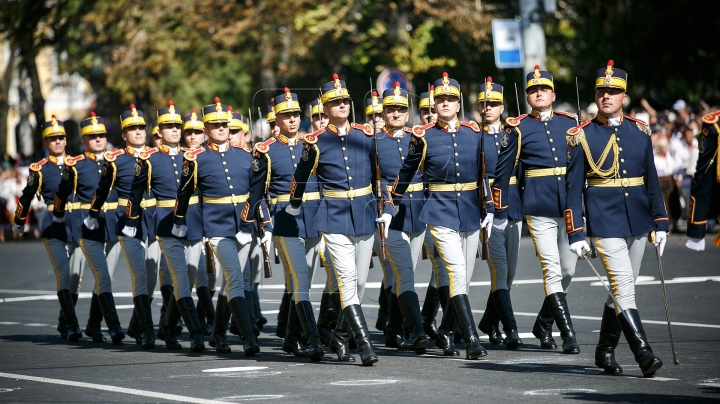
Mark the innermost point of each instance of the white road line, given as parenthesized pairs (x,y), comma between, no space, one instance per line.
(235,369)
(114,389)
(661,379)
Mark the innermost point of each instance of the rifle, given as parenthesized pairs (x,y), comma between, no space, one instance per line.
(209,259)
(484,246)
(517,100)
(577,92)
(378,181)
(260,217)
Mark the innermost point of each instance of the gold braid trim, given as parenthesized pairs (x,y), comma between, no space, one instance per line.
(575,137)
(595,167)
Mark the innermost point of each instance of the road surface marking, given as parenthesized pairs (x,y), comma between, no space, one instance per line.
(114,389)
(235,369)
(557,392)
(254,397)
(375,382)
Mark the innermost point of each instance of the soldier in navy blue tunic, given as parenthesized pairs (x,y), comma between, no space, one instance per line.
(504,243)
(99,243)
(611,174)
(535,143)
(705,190)
(44,181)
(342,156)
(448,154)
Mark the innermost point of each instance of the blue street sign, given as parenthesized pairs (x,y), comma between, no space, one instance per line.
(507,44)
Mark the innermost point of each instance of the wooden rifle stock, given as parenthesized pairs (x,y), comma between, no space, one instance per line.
(265,253)
(484,246)
(209,259)
(380,205)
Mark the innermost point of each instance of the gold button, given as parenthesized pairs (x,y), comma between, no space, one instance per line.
(411,194)
(620,148)
(453,135)
(622,160)
(291,148)
(498,151)
(457,175)
(176,172)
(99,171)
(551,140)
(456,154)
(402,158)
(400,148)
(292,156)
(457,164)
(626,194)
(548,132)
(224,162)
(559,178)
(174,165)
(172,157)
(228,177)
(349,178)
(342,139)
(556,159)
(231,187)
(496,143)
(295,165)
(458,194)
(222,154)
(545,123)
(343,148)
(624,172)
(618,139)
(345,158)
(347,168)
(557,170)
(177,180)
(455,144)
(226,170)
(553,149)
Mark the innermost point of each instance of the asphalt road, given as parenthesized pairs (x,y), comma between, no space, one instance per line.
(37,366)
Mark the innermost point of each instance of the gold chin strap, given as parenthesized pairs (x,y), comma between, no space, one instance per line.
(595,167)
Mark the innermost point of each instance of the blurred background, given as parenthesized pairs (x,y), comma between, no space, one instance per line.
(70,57)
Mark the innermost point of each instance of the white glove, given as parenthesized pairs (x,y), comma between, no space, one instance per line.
(695,244)
(58,219)
(293,211)
(129,231)
(19,229)
(90,222)
(500,224)
(580,248)
(179,231)
(487,223)
(243,238)
(266,237)
(385,220)
(660,239)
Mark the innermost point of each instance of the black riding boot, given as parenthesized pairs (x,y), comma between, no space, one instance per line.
(326,318)
(610,331)
(92,329)
(355,318)
(293,335)
(220,325)
(260,320)
(561,313)
(134,329)
(429,312)
(208,311)
(189,314)
(239,310)
(445,339)
(340,342)
(635,335)
(383,311)
(490,322)
(473,348)
(507,316)
(251,312)
(410,306)
(542,329)
(166,332)
(144,313)
(168,292)
(394,335)
(282,317)
(307,320)
(67,307)
(107,305)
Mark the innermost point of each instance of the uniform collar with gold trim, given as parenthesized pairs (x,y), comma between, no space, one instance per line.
(56,160)
(286,140)
(216,147)
(446,125)
(603,120)
(536,115)
(166,149)
(132,151)
(92,156)
(390,131)
(335,131)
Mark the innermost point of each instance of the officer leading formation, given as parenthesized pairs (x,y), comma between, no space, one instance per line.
(444,190)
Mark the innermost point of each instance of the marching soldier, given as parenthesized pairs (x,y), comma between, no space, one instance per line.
(448,155)
(374,110)
(158,170)
(270,117)
(405,234)
(276,160)
(194,136)
(705,190)
(504,245)
(431,305)
(118,174)
(81,177)
(328,307)
(535,141)
(623,203)
(222,174)
(342,157)
(157,141)
(63,250)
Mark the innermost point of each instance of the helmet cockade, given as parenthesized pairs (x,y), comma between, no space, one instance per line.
(338,86)
(396,93)
(609,72)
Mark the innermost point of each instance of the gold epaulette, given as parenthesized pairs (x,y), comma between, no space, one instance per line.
(567,114)
(110,156)
(313,137)
(711,118)
(70,161)
(407,130)
(515,122)
(145,154)
(366,129)
(641,125)
(263,147)
(38,166)
(192,154)
(419,131)
(576,134)
(472,125)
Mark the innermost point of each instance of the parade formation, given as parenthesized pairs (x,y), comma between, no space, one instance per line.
(208,217)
